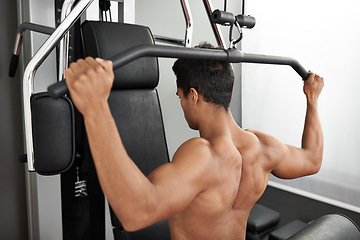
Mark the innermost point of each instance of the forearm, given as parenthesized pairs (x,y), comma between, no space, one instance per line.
(124,185)
(312,140)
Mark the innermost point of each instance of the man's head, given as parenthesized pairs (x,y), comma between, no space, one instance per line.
(212,79)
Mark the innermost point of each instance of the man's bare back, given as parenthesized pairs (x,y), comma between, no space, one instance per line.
(239,179)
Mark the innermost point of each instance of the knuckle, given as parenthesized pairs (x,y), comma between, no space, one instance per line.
(98,68)
(82,78)
(72,65)
(89,72)
(80,60)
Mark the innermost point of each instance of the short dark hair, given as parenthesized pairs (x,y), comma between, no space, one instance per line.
(214,80)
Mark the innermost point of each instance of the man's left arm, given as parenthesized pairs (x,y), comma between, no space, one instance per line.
(138,201)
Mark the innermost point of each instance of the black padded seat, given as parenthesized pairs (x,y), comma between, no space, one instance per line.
(135,106)
(261,220)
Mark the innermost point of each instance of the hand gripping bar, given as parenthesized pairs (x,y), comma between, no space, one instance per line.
(148,50)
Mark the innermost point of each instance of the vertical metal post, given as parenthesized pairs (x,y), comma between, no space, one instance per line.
(217,32)
(189,22)
(64,43)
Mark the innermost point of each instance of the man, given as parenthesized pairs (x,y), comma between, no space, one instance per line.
(213,181)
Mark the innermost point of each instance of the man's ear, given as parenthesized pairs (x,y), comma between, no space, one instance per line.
(194,95)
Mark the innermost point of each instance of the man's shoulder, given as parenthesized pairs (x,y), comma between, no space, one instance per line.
(196,141)
(195,149)
(197,144)
(263,138)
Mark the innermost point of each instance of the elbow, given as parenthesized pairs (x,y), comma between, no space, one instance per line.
(135,220)
(131,225)
(316,166)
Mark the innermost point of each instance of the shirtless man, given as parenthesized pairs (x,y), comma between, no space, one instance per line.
(213,181)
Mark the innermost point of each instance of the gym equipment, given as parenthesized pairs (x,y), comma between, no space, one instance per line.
(226,18)
(216,30)
(186,42)
(124,63)
(134,105)
(19,37)
(33,65)
(329,227)
(286,231)
(53,129)
(52,121)
(231,55)
(261,221)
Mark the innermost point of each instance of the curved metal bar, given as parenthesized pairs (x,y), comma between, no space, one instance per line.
(18,41)
(34,64)
(29,26)
(236,56)
(231,55)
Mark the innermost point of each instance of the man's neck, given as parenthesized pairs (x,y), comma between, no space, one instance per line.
(213,123)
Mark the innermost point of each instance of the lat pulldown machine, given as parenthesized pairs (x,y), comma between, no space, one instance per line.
(217,17)
(62,154)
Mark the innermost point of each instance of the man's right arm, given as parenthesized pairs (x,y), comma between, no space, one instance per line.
(286,161)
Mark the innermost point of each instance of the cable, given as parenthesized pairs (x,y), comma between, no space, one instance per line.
(104,7)
(225,4)
(243,7)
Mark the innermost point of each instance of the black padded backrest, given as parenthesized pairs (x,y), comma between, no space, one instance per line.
(105,39)
(134,104)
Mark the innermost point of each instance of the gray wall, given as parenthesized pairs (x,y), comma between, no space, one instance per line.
(273,100)
(13,217)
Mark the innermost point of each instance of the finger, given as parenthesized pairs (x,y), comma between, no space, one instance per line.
(69,74)
(311,76)
(107,65)
(77,67)
(99,64)
(90,61)
(318,79)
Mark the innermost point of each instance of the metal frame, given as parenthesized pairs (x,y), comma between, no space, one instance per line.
(188,30)
(217,32)
(188,19)
(29,26)
(64,43)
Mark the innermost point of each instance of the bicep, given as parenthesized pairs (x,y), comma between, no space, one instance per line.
(283,160)
(293,162)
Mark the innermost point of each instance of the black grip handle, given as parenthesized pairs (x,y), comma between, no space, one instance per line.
(246,21)
(13,65)
(223,18)
(58,89)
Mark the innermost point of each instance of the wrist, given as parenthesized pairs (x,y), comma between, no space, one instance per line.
(100,109)
(312,104)
(312,100)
